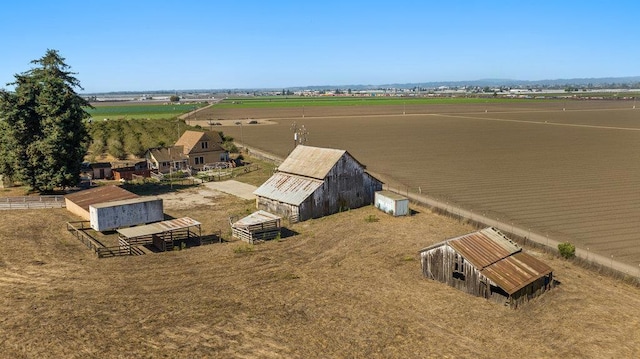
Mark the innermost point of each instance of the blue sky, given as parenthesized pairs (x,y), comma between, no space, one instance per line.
(154,45)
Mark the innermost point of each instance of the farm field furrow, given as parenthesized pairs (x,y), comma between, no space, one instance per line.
(575,177)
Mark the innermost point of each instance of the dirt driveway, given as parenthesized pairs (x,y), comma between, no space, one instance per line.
(235,188)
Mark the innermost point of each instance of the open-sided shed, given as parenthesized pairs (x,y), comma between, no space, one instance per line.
(163,235)
(258,226)
(487,264)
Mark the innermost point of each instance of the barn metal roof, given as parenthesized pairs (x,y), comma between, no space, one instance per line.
(125,202)
(86,198)
(515,272)
(158,227)
(254,218)
(498,258)
(288,188)
(484,247)
(308,161)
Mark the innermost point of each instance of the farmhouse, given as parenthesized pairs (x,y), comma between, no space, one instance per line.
(193,149)
(165,159)
(487,264)
(314,182)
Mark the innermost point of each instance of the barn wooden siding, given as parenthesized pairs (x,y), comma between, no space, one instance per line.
(445,265)
(346,186)
(493,267)
(316,182)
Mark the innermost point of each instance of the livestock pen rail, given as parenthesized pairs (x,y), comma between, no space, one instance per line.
(80,230)
(32,202)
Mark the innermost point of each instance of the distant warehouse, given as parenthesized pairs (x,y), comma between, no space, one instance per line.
(314,182)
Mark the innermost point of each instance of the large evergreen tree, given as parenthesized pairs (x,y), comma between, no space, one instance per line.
(43,138)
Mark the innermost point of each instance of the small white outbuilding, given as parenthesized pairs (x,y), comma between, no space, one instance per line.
(392,203)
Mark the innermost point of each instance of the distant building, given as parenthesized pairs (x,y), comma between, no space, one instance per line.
(487,264)
(128,172)
(100,170)
(193,149)
(313,182)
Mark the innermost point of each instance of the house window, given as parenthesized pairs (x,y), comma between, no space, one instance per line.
(205,145)
(199,160)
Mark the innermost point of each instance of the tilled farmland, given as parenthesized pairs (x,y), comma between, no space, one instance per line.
(568,170)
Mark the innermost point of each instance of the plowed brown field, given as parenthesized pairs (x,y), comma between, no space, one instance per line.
(566,169)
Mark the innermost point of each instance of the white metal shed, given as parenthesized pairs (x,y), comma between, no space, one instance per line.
(392,203)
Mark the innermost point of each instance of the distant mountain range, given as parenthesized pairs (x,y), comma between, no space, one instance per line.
(599,82)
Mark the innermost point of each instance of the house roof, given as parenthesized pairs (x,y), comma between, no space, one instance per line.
(314,162)
(101,165)
(498,258)
(189,140)
(288,188)
(168,154)
(86,198)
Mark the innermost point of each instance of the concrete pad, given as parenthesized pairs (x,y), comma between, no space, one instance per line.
(235,188)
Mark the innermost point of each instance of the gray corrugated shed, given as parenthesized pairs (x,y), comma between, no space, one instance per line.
(288,188)
(254,218)
(159,227)
(314,162)
(86,198)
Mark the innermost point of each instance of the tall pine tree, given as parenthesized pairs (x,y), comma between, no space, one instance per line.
(43,138)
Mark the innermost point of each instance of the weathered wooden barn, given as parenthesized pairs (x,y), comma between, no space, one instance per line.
(313,182)
(487,264)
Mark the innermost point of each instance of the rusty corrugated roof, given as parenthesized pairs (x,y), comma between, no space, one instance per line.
(516,271)
(124,202)
(498,258)
(288,188)
(484,247)
(86,198)
(158,227)
(308,161)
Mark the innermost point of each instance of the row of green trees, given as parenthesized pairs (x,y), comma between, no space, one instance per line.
(43,137)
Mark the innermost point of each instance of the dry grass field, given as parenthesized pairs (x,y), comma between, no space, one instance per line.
(342,287)
(564,169)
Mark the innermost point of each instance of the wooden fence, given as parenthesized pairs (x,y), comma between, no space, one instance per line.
(79,230)
(31,202)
